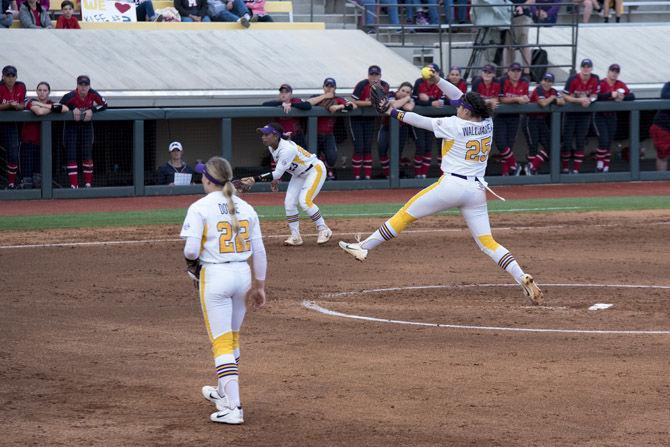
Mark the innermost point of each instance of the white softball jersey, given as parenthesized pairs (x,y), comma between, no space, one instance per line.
(209,220)
(466,145)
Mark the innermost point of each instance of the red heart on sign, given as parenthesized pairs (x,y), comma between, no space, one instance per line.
(122,7)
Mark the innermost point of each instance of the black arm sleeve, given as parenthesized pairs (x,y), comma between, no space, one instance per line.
(267,177)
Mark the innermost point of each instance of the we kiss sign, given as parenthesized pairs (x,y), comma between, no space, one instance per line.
(108,11)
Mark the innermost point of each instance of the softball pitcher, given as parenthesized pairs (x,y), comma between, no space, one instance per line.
(222,232)
(465,152)
(307,176)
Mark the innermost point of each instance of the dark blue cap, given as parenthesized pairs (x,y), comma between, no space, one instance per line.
(586,63)
(329,82)
(548,77)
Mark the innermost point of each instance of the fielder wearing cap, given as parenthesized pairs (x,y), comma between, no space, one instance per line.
(175,165)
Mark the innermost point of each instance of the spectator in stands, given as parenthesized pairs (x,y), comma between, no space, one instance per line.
(362,127)
(370,5)
(67,20)
(432,10)
(547,12)
(579,89)
(660,132)
(513,90)
(175,166)
(618,10)
(401,100)
(487,85)
(9,10)
(192,10)
(78,135)
(589,6)
(292,126)
(325,125)
(257,8)
(144,9)
(12,98)
(517,36)
(609,89)
(229,11)
(31,133)
(455,78)
(425,93)
(34,15)
(538,128)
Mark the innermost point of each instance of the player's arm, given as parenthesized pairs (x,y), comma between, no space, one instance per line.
(259,264)
(302,105)
(413,119)
(356,95)
(100,103)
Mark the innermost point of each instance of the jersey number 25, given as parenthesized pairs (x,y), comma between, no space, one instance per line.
(478,150)
(241,243)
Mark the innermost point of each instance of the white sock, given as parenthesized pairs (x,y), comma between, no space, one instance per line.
(382,234)
(316,217)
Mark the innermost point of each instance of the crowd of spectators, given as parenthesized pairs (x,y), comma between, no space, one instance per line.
(36,13)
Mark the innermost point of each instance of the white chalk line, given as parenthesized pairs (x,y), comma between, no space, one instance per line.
(277,236)
(312,305)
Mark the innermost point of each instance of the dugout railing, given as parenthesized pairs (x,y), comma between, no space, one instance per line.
(134,136)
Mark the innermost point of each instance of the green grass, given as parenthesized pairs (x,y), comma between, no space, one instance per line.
(176,216)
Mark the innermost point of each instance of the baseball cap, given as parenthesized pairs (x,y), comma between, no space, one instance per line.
(9,70)
(199,168)
(615,67)
(435,67)
(548,77)
(83,79)
(374,70)
(488,68)
(455,68)
(329,82)
(175,146)
(285,87)
(268,129)
(586,63)
(515,66)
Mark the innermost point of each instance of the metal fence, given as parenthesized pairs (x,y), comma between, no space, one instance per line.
(127,155)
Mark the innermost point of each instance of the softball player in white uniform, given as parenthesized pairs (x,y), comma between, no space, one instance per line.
(222,232)
(465,151)
(308,174)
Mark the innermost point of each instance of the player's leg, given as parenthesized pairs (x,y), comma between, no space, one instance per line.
(357,132)
(602,130)
(581,129)
(545,142)
(10,141)
(329,147)
(70,132)
(423,146)
(568,135)
(533,135)
(310,189)
(87,153)
(611,132)
(475,213)
(441,195)
(368,133)
(431,143)
(218,284)
(291,208)
(383,144)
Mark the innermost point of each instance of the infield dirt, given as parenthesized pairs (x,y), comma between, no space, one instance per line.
(105,344)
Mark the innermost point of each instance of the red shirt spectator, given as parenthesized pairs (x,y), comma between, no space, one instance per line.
(287,101)
(67,20)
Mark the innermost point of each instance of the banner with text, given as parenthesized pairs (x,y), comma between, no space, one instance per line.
(107,11)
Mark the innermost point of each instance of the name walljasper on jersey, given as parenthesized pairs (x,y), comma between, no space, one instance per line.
(477,130)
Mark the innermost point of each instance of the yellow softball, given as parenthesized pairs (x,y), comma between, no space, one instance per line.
(427,72)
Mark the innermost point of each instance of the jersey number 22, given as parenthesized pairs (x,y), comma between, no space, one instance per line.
(241,243)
